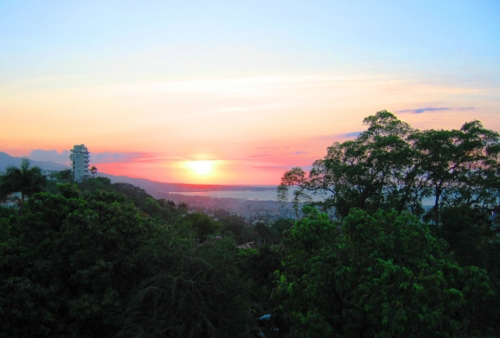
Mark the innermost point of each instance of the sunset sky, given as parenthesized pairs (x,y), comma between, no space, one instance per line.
(235,92)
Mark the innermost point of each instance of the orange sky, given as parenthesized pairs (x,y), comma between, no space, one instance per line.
(149,96)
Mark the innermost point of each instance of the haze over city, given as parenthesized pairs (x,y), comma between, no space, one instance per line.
(232,92)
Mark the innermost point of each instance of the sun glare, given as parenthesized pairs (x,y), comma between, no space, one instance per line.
(201,168)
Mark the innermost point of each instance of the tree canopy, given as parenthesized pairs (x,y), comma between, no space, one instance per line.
(392,165)
(92,262)
(25,179)
(378,275)
(416,224)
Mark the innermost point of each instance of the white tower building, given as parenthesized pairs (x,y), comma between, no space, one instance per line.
(80,158)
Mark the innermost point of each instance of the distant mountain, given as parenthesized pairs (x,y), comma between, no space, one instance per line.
(10,161)
(155,189)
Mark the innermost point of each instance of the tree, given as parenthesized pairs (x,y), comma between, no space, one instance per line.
(378,275)
(93,171)
(391,165)
(459,168)
(263,234)
(280,226)
(63,176)
(201,225)
(376,170)
(71,263)
(24,179)
(151,206)
(91,264)
(236,227)
(198,292)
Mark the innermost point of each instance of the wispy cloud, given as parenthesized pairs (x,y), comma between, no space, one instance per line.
(50,155)
(116,157)
(431,109)
(277,152)
(233,85)
(264,154)
(353,134)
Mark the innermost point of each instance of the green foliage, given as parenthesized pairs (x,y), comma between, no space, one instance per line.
(168,211)
(280,226)
(376,170)
(93,171)
(266,235)
(459,168)
(263,234)
(161,209)
(68,190)
(63,176)
(95,184)
(90,264)
(151,207)
(391,165)
(135,194)
(24,179)
(236,227)
(199,292)
(6,212)
(378,275)
(260,265)
(201,225)
(69,264)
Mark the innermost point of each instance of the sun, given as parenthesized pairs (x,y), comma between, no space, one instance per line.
(201,168)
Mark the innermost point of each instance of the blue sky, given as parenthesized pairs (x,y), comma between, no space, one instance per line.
(59,37)
(221,80)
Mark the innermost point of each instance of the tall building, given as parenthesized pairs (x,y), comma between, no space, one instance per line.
(80,158)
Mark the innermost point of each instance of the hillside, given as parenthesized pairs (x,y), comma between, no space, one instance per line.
(156,189)
(7,161)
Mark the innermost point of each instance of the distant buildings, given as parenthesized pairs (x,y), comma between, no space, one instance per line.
(80,158)
(12,200)
(49,174)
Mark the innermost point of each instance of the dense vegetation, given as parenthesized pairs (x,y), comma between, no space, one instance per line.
(99,260)
(371,259)
(389,264)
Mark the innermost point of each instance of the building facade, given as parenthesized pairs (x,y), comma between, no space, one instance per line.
(80,157)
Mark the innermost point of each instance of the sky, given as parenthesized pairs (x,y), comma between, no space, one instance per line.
(236,92)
